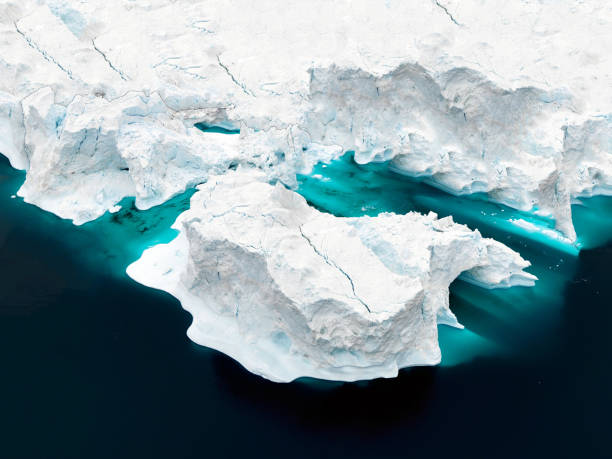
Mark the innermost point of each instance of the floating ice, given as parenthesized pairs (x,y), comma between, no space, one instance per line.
(104,100)
(289,291)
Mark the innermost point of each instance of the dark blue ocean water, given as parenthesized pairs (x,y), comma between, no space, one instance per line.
(95,365)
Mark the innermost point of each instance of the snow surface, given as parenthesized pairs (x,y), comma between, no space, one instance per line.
(99,100)
(290,291)
(509,98)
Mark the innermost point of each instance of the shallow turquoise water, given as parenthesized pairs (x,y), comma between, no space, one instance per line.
(593,220)
(217,129)
(124,235)
(111,242)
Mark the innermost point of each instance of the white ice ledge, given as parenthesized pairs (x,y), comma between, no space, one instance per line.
(98,99)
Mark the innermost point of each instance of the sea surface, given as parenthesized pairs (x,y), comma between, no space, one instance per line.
(94,365)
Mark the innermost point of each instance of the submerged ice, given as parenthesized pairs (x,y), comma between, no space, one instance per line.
(106,100)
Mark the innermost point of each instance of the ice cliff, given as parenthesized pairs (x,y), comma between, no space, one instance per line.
(101,100)
(511,99)
(289,291)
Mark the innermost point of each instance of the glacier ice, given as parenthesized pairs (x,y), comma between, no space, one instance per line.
(508,99)
(101,100)
(467,135)
(290,291)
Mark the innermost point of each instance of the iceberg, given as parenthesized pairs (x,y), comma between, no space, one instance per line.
(289,291)
(106,100)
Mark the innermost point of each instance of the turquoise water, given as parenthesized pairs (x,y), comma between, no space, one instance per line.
(593,220)
(349,189)
(111,242)
(227,129)
(124,235)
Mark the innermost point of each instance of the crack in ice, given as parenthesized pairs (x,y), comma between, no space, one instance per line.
(181,68)
(334,265)
(42,52)
(110,64)
(447,12)
(236,82)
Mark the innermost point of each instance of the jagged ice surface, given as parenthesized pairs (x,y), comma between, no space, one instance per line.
(289,291)
(512,99)
(100,100)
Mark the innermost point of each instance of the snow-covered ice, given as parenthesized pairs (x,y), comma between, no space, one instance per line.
(289,291)
(99,101)
(509,98)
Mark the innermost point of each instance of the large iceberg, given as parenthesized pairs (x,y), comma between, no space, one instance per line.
(103,100)
(290,291)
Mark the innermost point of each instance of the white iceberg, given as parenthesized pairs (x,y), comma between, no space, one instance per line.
(289,291)
(100,100)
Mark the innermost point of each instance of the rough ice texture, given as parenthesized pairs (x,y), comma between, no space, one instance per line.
(99,100)
(289,291)
(508,98)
